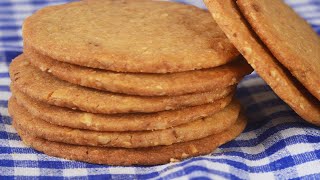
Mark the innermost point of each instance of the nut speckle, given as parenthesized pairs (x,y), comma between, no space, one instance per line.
(165,15)
(273,73)
(127,143)
(184,155)
(234,80)
(42,68)
(159,87)
(168,108)
(247,51)
(103,140)
(173,160)
(193,149)
(87,119)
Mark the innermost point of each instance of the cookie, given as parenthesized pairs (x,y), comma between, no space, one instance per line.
(298,49)
(196,129)
(141,83)
(44,87)
(129,36)
(121,122)
(230,20)
(141,156)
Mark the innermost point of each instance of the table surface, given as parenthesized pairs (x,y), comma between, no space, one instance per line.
(277,143)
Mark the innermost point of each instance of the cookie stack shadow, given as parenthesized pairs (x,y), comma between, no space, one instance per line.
(98,115)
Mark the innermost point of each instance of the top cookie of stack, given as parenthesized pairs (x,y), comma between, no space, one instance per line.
(142,79)
(129,36)
(135,37)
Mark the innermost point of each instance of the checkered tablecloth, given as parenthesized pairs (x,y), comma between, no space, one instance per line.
(276,144)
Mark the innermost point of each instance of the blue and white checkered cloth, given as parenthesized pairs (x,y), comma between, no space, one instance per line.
(277,144)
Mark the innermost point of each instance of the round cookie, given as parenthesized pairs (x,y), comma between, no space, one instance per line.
(298,49)
(141,156)
(229,18)
(121,122)
(143,84)
(44,87)
(129,36)
(196,129)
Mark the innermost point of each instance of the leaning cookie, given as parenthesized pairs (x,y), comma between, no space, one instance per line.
(298,49)
(228,16)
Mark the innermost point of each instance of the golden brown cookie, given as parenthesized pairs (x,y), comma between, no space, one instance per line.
(129,36)
(197,129)
(143,84)
(141,156)
(229,18)
(121,122)
(44,87)
(289,37)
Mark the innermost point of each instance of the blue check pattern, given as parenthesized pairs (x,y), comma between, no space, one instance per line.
(277,144)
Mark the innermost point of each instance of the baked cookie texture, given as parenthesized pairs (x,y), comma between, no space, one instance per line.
(298,49)
(140,156)
(228,16)
(197,129)
(129,36)
(130,82)
(144,84)
(46,88)
(118,122)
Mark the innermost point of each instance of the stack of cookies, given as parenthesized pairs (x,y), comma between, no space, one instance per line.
(126,82)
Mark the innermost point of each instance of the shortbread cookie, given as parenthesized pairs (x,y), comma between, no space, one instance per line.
(129,36)
(141,156)
(122,122)
(46,88)
(289,37)
(230,20)
(143,84)
(197,129)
